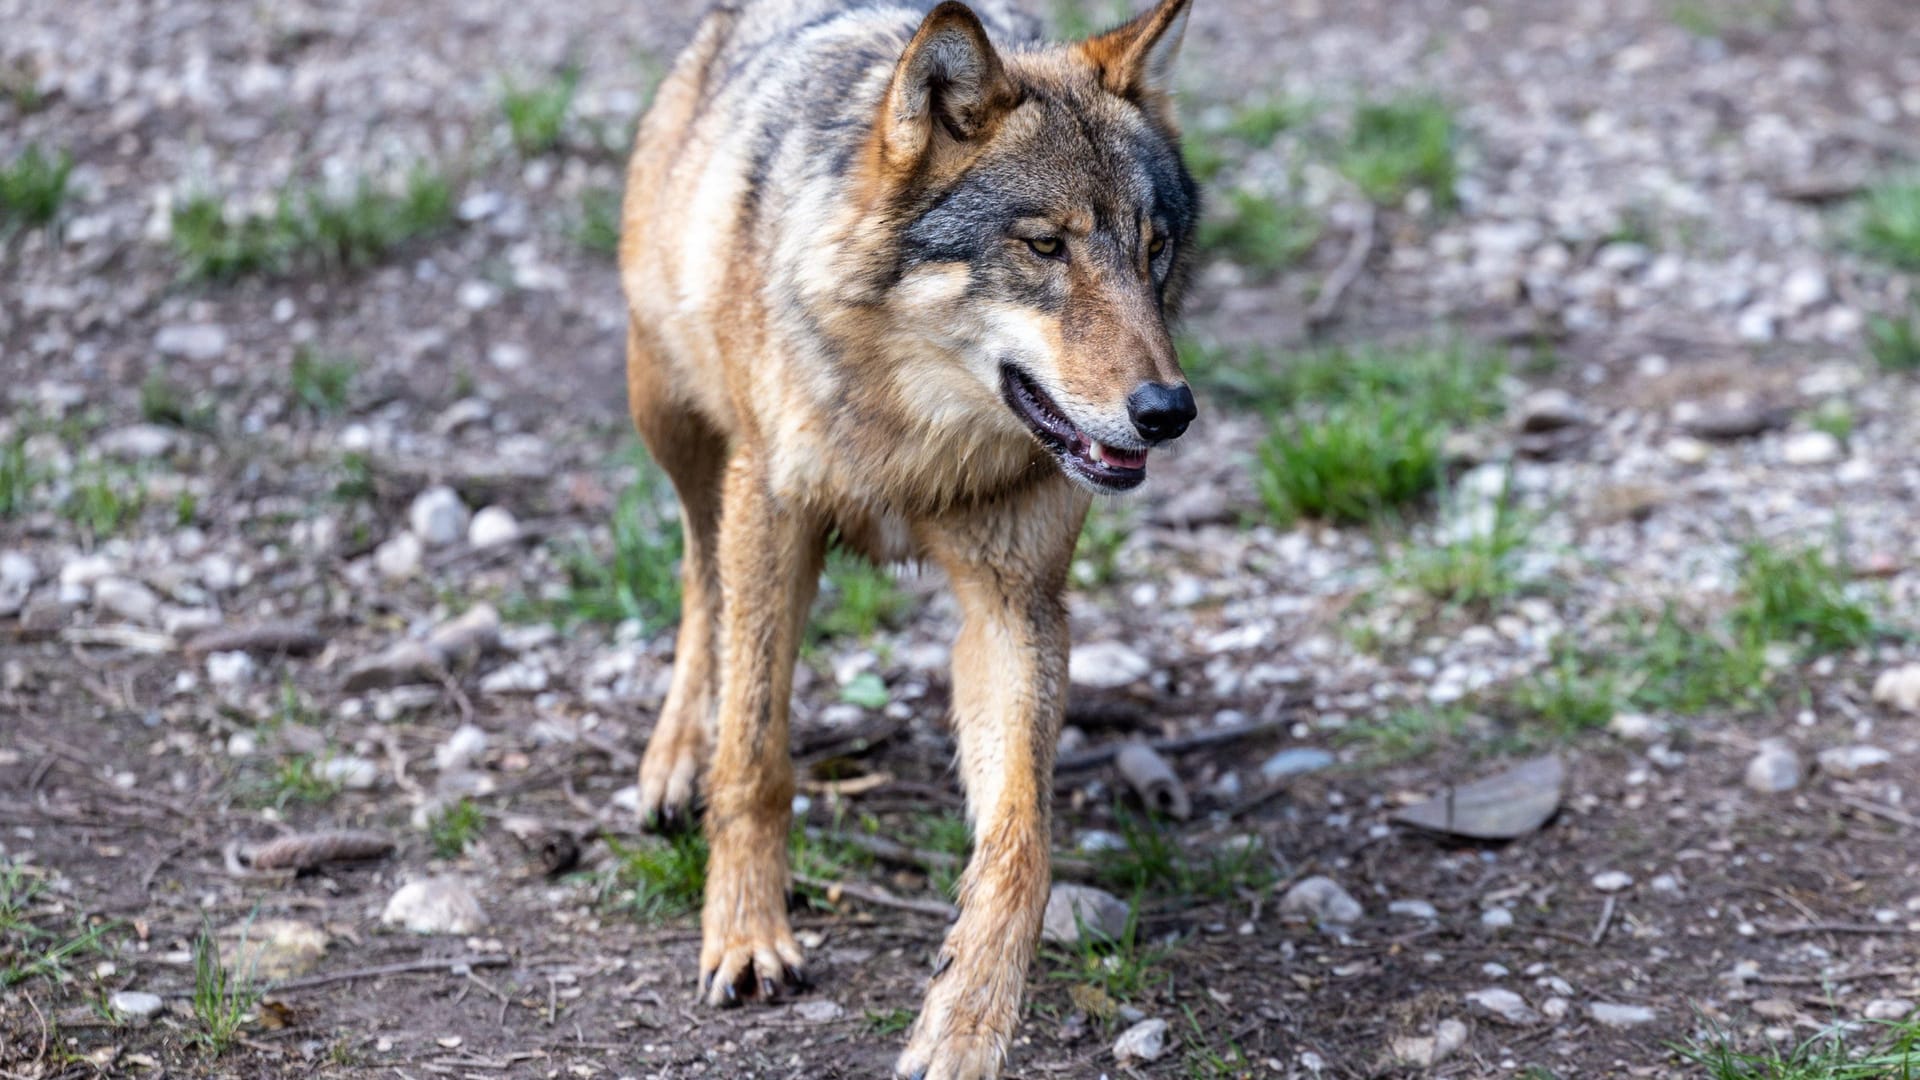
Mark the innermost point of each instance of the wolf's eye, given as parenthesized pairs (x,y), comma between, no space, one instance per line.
(1158,245)
(1048,247)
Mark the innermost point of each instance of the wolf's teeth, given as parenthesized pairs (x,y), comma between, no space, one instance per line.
(1098,453)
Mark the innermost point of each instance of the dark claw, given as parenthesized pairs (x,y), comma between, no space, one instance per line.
(733,995)
(768,989)
(795,976)
(706,984)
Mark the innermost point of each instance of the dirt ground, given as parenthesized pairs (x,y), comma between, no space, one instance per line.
(1647,193)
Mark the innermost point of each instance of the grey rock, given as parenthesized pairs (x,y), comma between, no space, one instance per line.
(1637,727)
(134,1004)
(1551,410)
(17,577)
(127,599)
(192,341)
(1144,1041)
(1295,761)
(140,442)
(819,1011)
(399,558)
(1899,687)
(441,905)
(350,772)
(1504,1004)
(1737,423)
(1106,665)
(1497,918)
(1512,804)
(1886,1009)
(1070,907)
(1848,762)
(1805,448)
(1621,1016)
(519,677)
(1414,909)
(461,750)
(229,668)
(1775,769)
(438,517)
(1321,901)
(1612,881)
(493,526)
(1426,1051)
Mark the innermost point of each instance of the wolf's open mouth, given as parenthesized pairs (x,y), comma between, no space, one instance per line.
(1106,467)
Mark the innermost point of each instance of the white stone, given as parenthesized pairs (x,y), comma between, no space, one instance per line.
(1144,1041)
(1321,900)
(1295,761)
(1687,450)
(1504,1004)
(1426,1051)
(1775,769)
(140,442)
(1413,909)
(492,526)
(1498,918)
(1899,687)
(134,1003)
(17,577)
(438,517)
(1756,324)
(350,772)
(1106,665)
(519,677)
(204,341)
(1637,727)
(1804,288)
(1807,448)
(1848,762)
(82,572)
(399,558)
(1621,1016)
(819,1011)
(1612,881)
(229,668)
(461,749)
(1071,907)
(127,599)
(442,905)
(1887,1009)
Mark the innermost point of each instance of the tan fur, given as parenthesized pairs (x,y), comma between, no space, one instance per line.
(794,390)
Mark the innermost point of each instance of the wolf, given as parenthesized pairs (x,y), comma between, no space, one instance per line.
(899,278)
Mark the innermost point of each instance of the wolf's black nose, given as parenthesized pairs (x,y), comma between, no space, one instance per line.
(1161,412)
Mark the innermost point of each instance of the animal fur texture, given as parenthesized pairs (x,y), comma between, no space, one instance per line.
(899,278)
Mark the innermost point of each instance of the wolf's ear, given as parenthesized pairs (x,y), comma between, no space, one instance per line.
(950,85)
(1136,60)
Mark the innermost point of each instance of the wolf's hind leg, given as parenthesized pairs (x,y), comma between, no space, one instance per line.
(693,455)
(1009,568)
(770,559)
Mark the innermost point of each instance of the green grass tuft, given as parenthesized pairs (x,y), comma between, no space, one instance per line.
(886,1025)
(164,401)
(1096,554)
(1351,464)
(1718,18)
(454,828)
(1889,226)
(1891,1052)
(18,477)
(332,232)
(322,383)
(1260,121)
(32,187)
(1478,570)
(222,1000)
(1402,145)
(1407,734)
(1263,235)
(858,600)
(1799,596)
(639,579)
(1152,861)
(597,228)
(657,880)
(1122,968)
(103,500)
(1894,340)
(537,114)
(1570,696)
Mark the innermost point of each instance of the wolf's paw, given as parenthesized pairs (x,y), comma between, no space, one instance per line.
(748,948)
(972,1056)
(946,1045)
(668,772)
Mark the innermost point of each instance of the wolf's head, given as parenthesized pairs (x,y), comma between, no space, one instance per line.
(1035,223)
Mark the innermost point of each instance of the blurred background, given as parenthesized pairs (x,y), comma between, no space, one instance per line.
(1557,364)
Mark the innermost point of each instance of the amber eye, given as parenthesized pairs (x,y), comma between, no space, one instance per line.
(1048,247)
(1158,245)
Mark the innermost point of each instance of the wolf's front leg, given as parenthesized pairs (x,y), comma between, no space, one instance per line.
(1009,693)
(770,555)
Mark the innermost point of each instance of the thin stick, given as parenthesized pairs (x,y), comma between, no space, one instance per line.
(1887,813)
(1327,305)
(408,967)
(1841,977)
(1606,920)
(1836,928)
(1093,759)
(873,894)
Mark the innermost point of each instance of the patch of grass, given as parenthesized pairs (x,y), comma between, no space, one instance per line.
(597,228)
(1152,861)
(1673,666)
(18,477)
(1799,596)
(18,890)
(1454,382)
(886,1025)
(1407,734)
(103,500)
(1891,1052)
(332,232)
(951,835)
(1478,570)
(639,580)
(320,382)
(296,779)
(1120,968)
(222,1000)
(1570,696)
(1205,1061)
(1835,417)
(1402,145)
(1894,340)
(1351,464)
(163,401)
(1205,157)
(454,828)
(657,880)
(22,959)
(858,599)
(1262,234)
(1889,226)
(32,187)
(867,690)
(1096,554)
(537,113)
(1718,18)
(1079,19)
